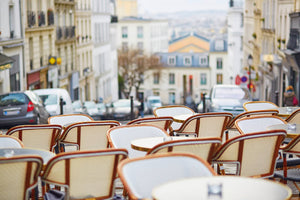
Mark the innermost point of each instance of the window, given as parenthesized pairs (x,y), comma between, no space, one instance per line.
(156,78)
(187,60)
(140,31)
(202,60)
(219,63)
(125,46)
(172,98)
(203,79)
(171,60)
(140,46)
(124,32)
(219,78)
(11,21)
(219,45)
(171,78)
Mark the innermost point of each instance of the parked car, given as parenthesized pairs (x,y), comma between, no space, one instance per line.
(18,108)
(51,98)
(228,98)
(152,102)
(92,109)
(103,110)
(78,107)
(121,109)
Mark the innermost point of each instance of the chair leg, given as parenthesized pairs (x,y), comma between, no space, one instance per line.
(284,168)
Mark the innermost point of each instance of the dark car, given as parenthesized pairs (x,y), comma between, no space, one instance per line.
(18,108)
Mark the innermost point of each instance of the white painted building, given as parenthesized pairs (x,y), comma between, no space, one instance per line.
(12,77)
(149,36)
(235,20)
(104,52)
(218,61)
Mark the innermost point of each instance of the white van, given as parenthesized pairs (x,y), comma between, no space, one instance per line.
(51,98)
(153,102)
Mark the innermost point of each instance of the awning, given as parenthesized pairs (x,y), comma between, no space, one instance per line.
(292,59)
(5,62)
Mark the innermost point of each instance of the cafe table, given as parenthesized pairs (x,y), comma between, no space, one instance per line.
(292,130)
(222,188)
(181,118)
(286,111)
(145,144)
(9,152)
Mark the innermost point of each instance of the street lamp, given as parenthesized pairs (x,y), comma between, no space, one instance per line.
(250,62)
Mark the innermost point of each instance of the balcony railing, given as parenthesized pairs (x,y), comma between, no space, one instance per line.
(66,32)
(41,19)
(59,33)
(31,21)
(50,15)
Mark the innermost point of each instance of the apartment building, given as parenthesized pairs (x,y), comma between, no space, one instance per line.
(235,23)
(105,65)
(146,35)
(39,44)
(182,75)
(218,61)
(84,50)
(12,74)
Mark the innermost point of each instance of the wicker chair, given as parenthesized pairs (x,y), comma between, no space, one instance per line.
(85,174)
(172,110)
(202,147)
(7,141)
(65,120)
(294,117)
(257,123)
(254,154)
(19,175)
(121,136)
(205,125)
(231,128)
(259,105)
(162,122)
(43,136)
(87,135)
(140,175)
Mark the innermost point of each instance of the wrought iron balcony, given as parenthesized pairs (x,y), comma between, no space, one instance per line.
(41,18)
(31,21)
(50,15)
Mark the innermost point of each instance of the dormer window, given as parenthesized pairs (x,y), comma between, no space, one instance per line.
(187,60)
(171,60)
(219,45)
(203,60)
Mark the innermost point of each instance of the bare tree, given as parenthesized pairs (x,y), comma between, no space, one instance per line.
(132,67)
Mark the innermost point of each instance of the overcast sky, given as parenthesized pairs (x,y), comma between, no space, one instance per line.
(157,6)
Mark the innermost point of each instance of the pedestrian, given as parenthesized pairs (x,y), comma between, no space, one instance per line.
(141,108)
(289,97)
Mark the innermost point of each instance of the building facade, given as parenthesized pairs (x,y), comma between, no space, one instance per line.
(221,72)
(146,35)
(84,50)
(235,23)
(12,73)
(181,75)
(104,51)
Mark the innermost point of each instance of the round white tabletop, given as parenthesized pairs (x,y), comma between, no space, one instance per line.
(9,152)
(182,118)
(286,111)
(292,130)
(145,144)
(222,187)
